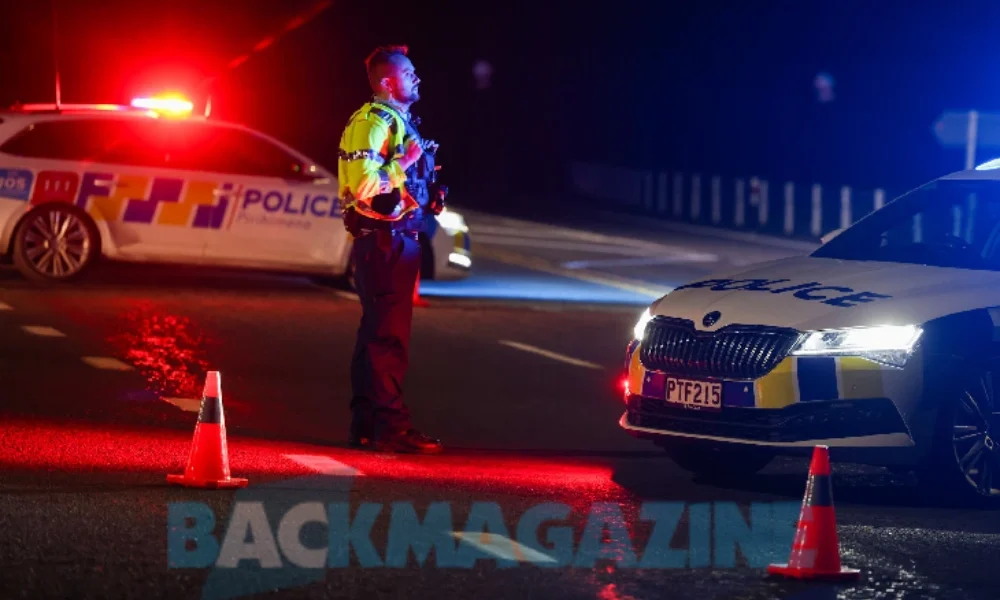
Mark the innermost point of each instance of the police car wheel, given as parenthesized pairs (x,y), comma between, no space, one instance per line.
(964,463)
(55,243)
(717,462)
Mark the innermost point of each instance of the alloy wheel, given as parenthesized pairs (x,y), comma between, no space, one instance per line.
(57,243)
(976,433)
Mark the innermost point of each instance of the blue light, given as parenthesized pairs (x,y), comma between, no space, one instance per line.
(494,281)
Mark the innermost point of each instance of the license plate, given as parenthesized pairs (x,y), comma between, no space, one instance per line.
(703,395)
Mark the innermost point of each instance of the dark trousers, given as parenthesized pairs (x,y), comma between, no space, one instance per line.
(386,267)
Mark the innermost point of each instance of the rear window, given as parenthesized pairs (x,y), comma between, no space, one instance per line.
(76,140)
(184,145)
(220,149)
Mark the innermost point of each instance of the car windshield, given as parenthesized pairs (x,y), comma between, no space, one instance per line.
(947,223)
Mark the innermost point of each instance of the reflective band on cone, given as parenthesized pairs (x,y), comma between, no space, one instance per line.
(208,462)
(816,549)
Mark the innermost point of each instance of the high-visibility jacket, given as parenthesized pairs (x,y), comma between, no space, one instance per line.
(367,166)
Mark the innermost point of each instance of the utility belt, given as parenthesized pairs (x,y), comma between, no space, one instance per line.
(359,225)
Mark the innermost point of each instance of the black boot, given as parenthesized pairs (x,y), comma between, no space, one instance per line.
(409,441)
(362,428)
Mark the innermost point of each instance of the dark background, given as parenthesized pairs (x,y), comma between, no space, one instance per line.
(713,87)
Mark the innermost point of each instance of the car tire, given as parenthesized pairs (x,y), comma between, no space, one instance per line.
(965,453)
(55,243)
(715,462)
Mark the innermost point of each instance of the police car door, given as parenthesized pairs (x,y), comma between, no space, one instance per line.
(284,211)
(113,168)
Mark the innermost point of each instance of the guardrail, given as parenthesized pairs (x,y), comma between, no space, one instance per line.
(749,204)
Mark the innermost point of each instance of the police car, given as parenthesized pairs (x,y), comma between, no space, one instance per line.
(882,344)
(150,183)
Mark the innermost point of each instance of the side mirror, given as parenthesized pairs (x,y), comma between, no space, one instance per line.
(826,238)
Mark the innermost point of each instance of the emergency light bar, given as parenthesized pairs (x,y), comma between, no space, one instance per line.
(172,105)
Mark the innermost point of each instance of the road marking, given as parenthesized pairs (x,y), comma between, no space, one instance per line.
(641,261)
(565,245)
(324,465)
(552,355)
(42,330)
(502,547)
(709,231)
(629,285)
(539,238)
(5,306)
(106,362)
(185,404)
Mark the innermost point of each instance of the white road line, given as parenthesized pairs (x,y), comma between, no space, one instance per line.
(629,285)
(106,362)
(706,231)
(640,261)
(585,242)
(565,245)
(5,306)
(553,355)
(185,404)
(43,331)
(324,465)
(527,229)
(502,547)
(518,228)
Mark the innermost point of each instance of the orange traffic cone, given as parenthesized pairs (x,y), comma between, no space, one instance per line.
(208,463)
(417,300)
(816,550)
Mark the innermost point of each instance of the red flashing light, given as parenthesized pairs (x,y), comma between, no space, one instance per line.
(172,104)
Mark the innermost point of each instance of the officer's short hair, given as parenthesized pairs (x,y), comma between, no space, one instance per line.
(381,56)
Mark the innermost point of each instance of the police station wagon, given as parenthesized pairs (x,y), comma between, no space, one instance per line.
(141,184)
(883,344)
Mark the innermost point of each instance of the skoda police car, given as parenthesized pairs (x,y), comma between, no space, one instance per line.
(883,344)
(151,183)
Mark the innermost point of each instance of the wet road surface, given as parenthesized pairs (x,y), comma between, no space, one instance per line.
(517,369)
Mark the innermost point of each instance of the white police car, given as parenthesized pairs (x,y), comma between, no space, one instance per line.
(150,183)
(883,344)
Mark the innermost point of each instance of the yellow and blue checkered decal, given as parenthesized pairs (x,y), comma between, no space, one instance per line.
(151,200)
(795,379)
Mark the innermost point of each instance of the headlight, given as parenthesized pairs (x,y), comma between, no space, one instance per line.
(888,344)
(640,327)
(452,221)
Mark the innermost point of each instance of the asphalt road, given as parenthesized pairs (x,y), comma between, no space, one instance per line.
(517,369)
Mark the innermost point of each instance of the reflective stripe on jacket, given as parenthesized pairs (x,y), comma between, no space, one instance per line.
(367,166)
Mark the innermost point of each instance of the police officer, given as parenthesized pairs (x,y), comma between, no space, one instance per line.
(383,217)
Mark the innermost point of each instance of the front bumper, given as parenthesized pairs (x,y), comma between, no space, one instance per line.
(452,254)
(846,403)
(856,423)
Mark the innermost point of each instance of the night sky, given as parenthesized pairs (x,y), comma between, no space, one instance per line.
(714,87)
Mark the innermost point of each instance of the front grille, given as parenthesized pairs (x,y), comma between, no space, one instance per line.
(735,352)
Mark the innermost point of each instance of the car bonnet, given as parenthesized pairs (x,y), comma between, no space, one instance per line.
(809,293)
